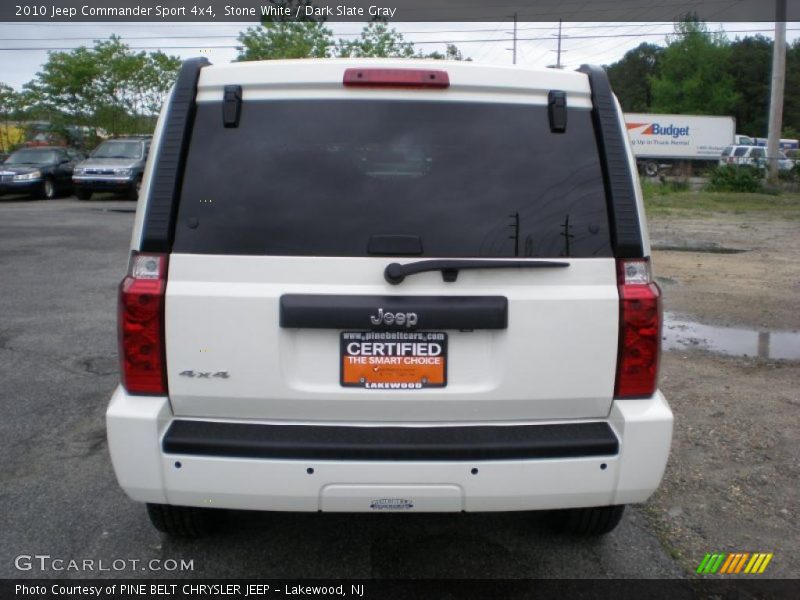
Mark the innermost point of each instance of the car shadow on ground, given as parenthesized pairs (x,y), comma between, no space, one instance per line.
(394,545)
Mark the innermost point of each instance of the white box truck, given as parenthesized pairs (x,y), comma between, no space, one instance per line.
(660,141)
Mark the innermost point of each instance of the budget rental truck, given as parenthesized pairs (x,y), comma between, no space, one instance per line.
(661,141)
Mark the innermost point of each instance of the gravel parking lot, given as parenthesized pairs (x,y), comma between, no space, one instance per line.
(731,484)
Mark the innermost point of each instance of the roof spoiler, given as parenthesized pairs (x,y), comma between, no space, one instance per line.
(626,235)
(159,220)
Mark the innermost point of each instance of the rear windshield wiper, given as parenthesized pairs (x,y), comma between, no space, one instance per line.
(395,273)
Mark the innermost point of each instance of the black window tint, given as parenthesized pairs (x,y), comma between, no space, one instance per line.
(321,178)
(740,151)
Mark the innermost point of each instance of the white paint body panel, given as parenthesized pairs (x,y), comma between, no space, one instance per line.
(556,359)
(644,428)
(322,78)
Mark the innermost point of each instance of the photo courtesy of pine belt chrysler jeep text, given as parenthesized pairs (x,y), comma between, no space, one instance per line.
(396,286)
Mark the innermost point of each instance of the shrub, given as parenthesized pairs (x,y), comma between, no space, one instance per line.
(735,178)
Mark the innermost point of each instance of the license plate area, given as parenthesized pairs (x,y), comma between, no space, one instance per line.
(393,360)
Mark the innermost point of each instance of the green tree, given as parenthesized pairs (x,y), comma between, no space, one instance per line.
(631,77)
(376,40)
(451,53)
(108,87)
(286,36)
(285,40)
(11,106)
(750,63)
(65,87)
(693,75)
(791,103)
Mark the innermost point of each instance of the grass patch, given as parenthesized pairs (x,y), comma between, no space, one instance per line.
(785,206)
(662,187)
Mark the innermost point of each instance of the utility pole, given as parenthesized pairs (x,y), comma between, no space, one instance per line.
(776,97)
(558,57)
(514,59)
(559,51)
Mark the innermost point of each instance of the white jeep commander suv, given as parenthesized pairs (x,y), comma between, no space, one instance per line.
(382,285)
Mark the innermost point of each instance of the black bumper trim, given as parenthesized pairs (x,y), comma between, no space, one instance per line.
(328,442)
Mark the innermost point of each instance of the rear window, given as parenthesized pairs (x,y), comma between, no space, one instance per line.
(727,151)
(740,151)
(326,178)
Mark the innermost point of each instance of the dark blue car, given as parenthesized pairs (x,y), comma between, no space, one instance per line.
(42,172)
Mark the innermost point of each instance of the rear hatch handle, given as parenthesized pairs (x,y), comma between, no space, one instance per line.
(395,273)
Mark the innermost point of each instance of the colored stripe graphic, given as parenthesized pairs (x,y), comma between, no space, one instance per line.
(726,565)
(732,558)
(767,558)
(741,562)
(703,563)
(711,563)
(734,563)
(754,562)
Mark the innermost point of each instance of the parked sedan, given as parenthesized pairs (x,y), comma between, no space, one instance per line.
(42,172)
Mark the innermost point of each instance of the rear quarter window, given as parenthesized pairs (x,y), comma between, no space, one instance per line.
(322,178)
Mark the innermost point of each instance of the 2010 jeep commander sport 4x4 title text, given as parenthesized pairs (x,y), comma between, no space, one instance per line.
(382,285)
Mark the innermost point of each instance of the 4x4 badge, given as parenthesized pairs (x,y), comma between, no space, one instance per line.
(205,374)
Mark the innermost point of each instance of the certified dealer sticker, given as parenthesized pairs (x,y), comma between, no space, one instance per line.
(393,360)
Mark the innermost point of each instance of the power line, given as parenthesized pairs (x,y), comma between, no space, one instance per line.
(567,28)
(415,42)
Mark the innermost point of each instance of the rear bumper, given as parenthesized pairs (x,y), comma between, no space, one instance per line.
(161,459)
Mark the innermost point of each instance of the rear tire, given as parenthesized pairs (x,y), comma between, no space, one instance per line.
(597,520)
(651,169)
(183,521)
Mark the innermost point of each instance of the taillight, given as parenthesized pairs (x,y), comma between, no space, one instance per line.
(141,325)
(639,349)
(415,78)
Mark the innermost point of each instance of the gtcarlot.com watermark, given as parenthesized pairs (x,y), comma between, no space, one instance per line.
(48,563)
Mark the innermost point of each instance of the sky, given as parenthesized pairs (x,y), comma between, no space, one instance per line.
(23,46)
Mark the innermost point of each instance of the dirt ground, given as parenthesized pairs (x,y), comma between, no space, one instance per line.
(733,479)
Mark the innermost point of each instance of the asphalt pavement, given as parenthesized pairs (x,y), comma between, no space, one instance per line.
(60,263)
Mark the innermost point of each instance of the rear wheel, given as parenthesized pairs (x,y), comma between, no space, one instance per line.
(597,520)
(183,521)
(651,168)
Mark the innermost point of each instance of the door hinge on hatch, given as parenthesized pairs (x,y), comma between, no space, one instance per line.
(557,110)
(232,105)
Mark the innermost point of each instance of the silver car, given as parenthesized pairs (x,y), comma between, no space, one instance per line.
(115,166)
